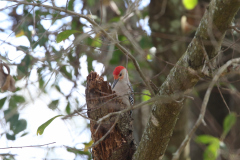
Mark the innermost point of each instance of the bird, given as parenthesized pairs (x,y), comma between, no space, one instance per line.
(122,86)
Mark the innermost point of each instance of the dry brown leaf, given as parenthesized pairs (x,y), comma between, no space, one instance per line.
(6,80)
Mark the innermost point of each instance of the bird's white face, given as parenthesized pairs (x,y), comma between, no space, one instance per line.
(120,77)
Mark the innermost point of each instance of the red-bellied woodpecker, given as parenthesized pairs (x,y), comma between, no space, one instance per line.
(122,85)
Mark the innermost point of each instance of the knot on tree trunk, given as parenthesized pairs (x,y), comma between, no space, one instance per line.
(101,100)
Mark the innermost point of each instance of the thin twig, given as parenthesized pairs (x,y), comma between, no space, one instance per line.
(163,9)
(203,108)
(235,28)
(223,99)
(232,91)
(29,146)
(207,60)
(85,116)
(103,137)
(8,7)
(128,109)
(73,113)
(98,127)
(157,98)
(67,5)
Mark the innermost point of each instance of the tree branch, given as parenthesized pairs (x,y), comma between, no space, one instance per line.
(157,98)
(204,106)
(98,27)
(183,77)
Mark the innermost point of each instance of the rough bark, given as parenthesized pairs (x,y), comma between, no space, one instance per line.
(184,76)
(168,23)
(101,100)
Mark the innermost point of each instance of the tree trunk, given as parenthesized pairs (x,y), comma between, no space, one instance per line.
(101,100)
(185,74)
(166,21)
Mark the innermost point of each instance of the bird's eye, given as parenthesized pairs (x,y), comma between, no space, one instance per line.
(120,74)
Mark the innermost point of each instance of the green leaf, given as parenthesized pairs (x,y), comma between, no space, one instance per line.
(22,48)
(88,40)
(14,121)
(2,101)
(130,66)
(24,134)
(76,151)
(18,88)
(87,145)
(68,109)
(20,126)
(190,4)
(205,139)
(10,116)
(212,151)
(63,69)
(41,128)
(90,2)
(149,57)
(145,42)
(115,19)
(12,104)
(116,57)
(10,137)
(89,63)
(44,38)
(65,34)
(70,5)
(123,40)
(53,105)
(41,83)
(58,88)
(16,99)
(228,123)
(24,66)
(26,30)
(96,42)
(145,94)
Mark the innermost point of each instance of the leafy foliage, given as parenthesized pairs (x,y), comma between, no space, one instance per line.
(212,150)
(53,105)
(228,123)
(146,95)
(2,101)
(41,128)
(50,62)
(80,152)
(11,116)
(65,34)
(190,4)
(68,109)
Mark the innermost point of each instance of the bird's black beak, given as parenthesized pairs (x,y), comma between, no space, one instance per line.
(114,83)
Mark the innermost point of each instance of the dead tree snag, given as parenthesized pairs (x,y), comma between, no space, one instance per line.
(101,100)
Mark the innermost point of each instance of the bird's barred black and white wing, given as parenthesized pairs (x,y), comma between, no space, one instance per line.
(131,95)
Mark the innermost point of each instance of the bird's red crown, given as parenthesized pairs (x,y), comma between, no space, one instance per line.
(117,70)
